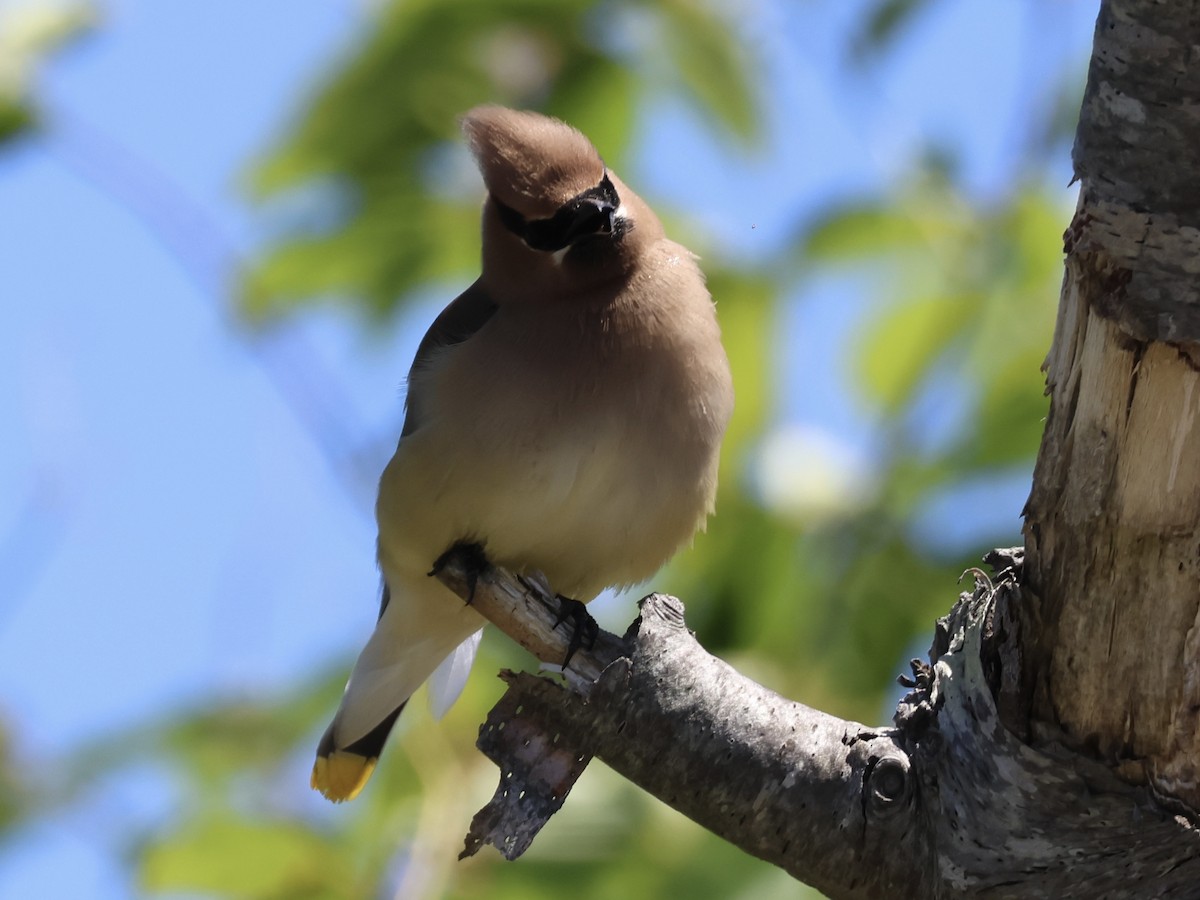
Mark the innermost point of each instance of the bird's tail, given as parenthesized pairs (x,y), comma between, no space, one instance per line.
(423,629)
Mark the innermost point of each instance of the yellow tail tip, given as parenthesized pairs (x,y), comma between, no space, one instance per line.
(341,775)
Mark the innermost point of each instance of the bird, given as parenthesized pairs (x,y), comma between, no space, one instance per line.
(564,413)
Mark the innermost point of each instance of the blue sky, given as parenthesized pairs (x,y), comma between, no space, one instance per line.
(168,528)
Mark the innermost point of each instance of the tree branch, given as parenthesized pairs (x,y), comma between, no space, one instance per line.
(946,804)
(812,793)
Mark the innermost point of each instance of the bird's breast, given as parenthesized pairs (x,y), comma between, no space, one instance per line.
(584,448)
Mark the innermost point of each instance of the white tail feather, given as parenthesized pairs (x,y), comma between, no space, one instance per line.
(423,623)
(450,677)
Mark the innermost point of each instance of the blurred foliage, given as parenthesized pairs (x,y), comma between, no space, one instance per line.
(883,22)
(823,607)
(30,33)
(380,137)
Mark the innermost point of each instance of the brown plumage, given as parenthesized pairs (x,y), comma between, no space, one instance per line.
(566,411)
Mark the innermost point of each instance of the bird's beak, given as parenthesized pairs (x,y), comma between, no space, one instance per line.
(589,215)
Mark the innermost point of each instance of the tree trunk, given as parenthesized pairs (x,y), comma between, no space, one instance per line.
(1050,746)
(1111,646)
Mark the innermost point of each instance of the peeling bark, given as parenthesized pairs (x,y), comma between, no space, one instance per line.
(1008,820)
(1113,521)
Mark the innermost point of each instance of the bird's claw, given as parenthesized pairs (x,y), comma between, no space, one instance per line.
(584,628)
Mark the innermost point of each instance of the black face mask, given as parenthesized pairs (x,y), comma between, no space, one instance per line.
(588,214)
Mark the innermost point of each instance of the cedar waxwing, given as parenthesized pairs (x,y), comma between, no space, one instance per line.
(565,412)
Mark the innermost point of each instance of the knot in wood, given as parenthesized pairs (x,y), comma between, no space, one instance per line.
(888,785)
(663,607)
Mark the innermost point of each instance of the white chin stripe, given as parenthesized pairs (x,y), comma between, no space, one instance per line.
(559,255)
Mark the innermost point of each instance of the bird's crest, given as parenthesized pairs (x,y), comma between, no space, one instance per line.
(532,163)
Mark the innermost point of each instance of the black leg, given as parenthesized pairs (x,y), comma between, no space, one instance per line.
(473,560)
(583,627)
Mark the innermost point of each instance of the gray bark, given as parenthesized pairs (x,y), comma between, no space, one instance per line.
(808,791)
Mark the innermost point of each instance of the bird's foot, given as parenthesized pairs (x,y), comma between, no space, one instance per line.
(471,557)
(583,627)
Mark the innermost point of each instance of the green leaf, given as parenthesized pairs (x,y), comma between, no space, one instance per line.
(901,345)
(236,856)
(1011,414)
(869,231)
(882,25)
(16,118)
(30,33)
(746,310)
(711,64)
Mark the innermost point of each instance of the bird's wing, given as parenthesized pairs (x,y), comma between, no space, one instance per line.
(460,320)
(464,316)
